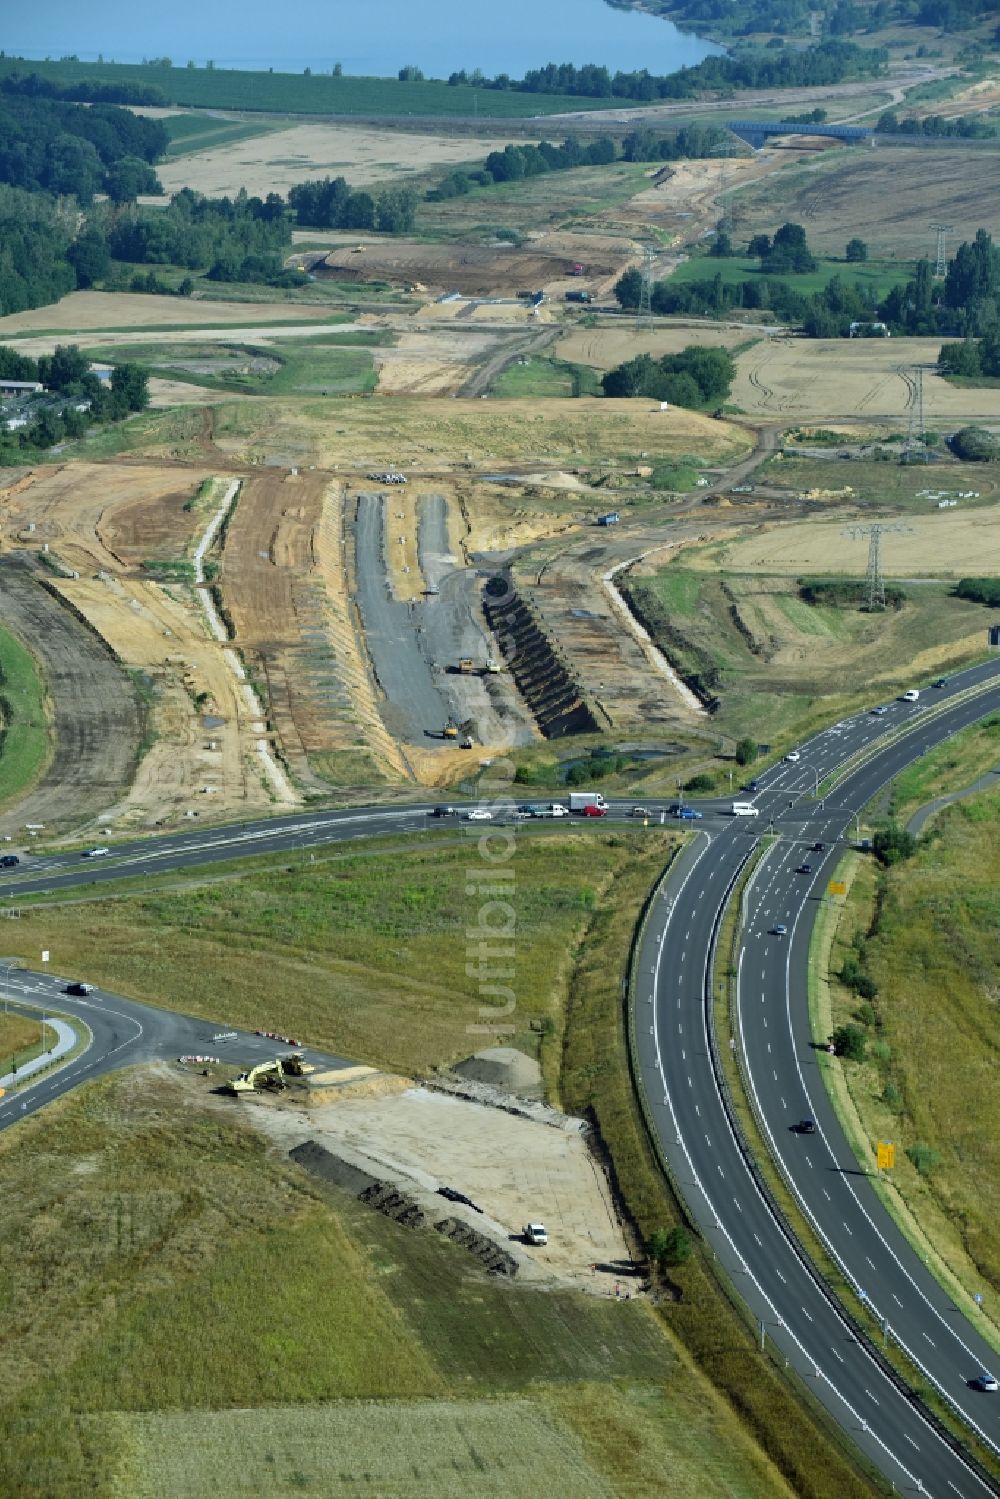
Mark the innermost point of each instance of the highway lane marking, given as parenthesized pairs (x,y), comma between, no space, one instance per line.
(871,1397)
(928,1337)
(840,1359)
(896,1299)
(911,1441)
(806,1314)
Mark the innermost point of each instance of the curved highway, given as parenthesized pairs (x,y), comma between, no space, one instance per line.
(710,1162)
(677,1070)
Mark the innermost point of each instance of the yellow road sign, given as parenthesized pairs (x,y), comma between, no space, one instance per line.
(837,887)
(885,1155)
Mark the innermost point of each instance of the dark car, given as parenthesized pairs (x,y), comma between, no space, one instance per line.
(779,929)
(941,682)
(9,861)
(819,848)
(985,1382)
(443,812)
(806,1127)
(804,869)
(79,989)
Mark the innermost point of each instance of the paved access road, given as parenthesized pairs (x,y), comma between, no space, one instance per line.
(684,1095)
(123,1034)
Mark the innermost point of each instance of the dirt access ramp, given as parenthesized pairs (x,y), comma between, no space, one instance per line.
(516,1170)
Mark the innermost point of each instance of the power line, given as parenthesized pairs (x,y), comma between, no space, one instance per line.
(874,580)
(942,231)
(644,312)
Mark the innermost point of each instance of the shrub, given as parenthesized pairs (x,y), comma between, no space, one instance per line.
(700,782)
(892,1097)
(746,751)
(670,1246)
(923,1157)
(850,1041)
(975,445)
(892,844)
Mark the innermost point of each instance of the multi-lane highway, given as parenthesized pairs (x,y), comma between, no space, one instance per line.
(678,1066)
(681,1079)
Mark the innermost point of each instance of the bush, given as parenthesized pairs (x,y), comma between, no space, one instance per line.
(850,1042)
(746,751)
(700,782)
(892,1097)
(975,445)
(669,1246)
(979,590)
(892,844)
(923,1157)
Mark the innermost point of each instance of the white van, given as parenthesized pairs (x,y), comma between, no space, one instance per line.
(910,696)
(744,809)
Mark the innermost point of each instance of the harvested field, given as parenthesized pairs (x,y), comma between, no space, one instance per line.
(475,270)
(888,197)
(97,721)
(610,344)
(944,544)
(365,155)
(430,436)
(433,361)
(500,1450)
(814,379)
(84,311)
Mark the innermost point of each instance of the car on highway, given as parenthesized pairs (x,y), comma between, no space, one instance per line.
(558,810)
(443,812)
(910,695)
(779,929)
(985,1382)
(591,811)
(793,757)
(78,989)
(804,869)
(479,814)
(941,682)
(9,861)
(688,814)
(640,811)
(805,1127)
(819,848)
(96,853)
(877,712)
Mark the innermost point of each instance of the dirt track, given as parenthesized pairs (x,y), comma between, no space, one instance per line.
(97,720)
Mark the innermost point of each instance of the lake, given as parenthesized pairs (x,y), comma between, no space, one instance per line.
(364,36)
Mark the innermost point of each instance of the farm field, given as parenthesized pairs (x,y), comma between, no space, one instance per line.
(820,380)
(943,544)
(887,197)
(875,276)
(390,1340)
(889,487)
(129,312)
(275,161)
(611,344)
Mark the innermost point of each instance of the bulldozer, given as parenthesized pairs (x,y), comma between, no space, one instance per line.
(267,1075)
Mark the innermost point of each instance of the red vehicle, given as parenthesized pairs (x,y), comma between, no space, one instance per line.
(593,811)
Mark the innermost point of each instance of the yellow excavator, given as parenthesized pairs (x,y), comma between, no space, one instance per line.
(270,1074)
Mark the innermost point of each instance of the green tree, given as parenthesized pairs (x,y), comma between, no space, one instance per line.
(88,255)
(760,245)
(128,177)
(856,250)
(746,751)
(669,1246)
(891,844)
(851,1042)
(130,383)
(722,245)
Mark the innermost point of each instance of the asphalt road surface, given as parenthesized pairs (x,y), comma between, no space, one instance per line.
(681,1081)
(678,1072)
(123,1034)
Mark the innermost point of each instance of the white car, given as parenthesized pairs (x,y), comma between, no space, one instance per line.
(985,1382)
(96,853)
(558,810)
(479,814)
(911,695)
(793,757)
(534,1233)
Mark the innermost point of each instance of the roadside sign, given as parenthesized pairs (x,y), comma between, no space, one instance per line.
(837,887)
(885,1155)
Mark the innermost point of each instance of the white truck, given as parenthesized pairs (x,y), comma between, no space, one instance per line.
(579,801)
(744,809)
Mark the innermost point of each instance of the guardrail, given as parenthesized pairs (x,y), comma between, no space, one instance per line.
(857,1330)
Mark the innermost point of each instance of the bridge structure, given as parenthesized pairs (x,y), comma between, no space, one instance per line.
(756,132)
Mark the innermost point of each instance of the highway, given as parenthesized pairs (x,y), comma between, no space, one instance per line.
(677,1068)
(681,1082)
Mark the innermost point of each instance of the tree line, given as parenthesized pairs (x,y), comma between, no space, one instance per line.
(85,90)
(962,127)
(695,377)
(68,150)
(332,204)
(757,68)
(86,400)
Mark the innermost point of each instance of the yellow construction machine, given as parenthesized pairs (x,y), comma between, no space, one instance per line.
(270,1074)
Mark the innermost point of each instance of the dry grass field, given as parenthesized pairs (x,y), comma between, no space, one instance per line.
(887,197)
(87,311)
(470,436)
(799,379)
(610,344)
(944,544)
(367,156)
